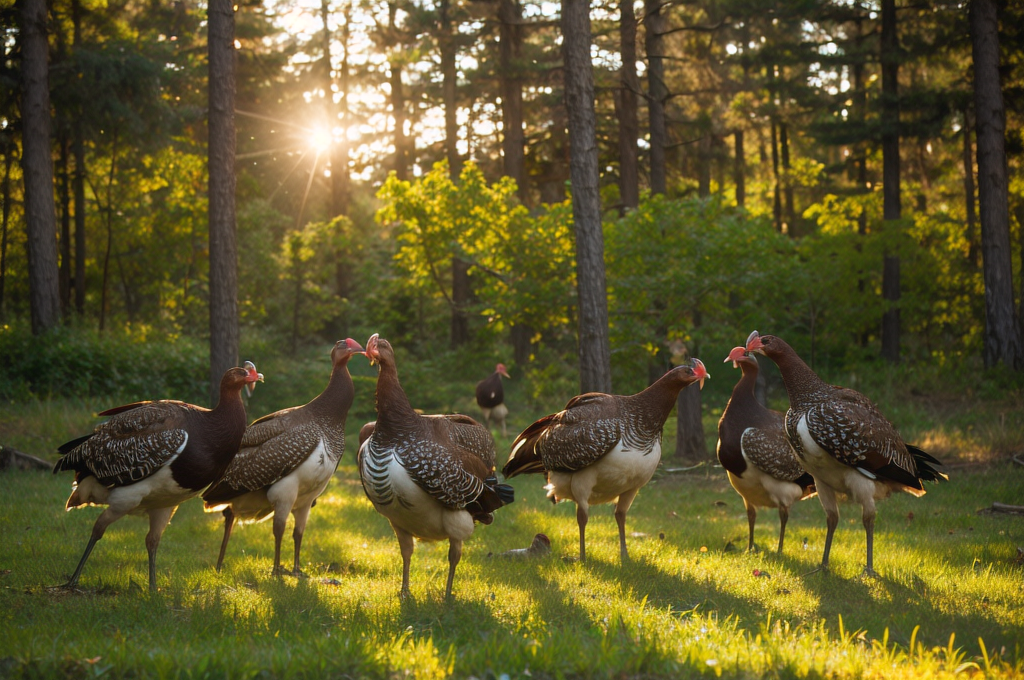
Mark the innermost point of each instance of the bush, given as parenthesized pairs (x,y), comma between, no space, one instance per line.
(129,364)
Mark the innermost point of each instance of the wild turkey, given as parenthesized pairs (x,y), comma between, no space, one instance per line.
(286,460)
(845,442)
(490,397)
(153,455)
(432,477)
(602,448)
(755,452)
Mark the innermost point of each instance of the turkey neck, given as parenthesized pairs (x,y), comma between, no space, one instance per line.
(802,384)
(743,399)
(336,399)
(393,407)
(225,425)
(656,402)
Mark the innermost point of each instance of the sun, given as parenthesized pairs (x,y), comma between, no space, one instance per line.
(320,139)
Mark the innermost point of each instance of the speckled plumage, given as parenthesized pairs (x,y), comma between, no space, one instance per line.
(287,458)
(133,444)
(151,456)
(755,451)
(601,448)
(845,442)
(430,476)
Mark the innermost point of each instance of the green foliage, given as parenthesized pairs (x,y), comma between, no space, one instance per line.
(136,363)
(694,272)
(522,266)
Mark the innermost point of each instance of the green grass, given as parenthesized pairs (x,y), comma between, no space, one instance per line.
(677,609)
(689,604)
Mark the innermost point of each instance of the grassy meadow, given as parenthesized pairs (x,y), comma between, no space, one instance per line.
(691,603)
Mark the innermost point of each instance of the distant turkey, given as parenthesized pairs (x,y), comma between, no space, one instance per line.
(432,477)
(602,448)
(153,455)
(490,397)
(754,450)
(845,442)
(286,460)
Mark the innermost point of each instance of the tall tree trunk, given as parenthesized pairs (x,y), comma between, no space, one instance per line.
(65,225)
(224,333)
(595,355)
(398,112)
(777,192)
(460,299)
(110,230)
(37,167)
(891,208)
(626,109)
(5,194)
(450,75)
(657,95)
(1002,331)
(739,174)
(704,165)
(338,165)
(787,183)
(969,203)
(78,181)
(691,444)
(513,141)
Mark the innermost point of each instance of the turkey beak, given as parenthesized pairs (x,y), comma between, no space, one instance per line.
(502,370)
(754,343)
(700,372)
(252,377)
(371,348)
(354,347)
(735,355)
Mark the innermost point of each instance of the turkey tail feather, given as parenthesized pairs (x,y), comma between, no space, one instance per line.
(924,462)
(524,458)
(493,496)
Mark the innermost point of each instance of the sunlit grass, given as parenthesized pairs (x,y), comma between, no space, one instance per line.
(686,604)
(690,603)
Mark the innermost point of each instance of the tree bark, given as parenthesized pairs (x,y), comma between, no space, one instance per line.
(739,174)
(969,202)
(654,43)
(398,112)
(704,165)
(340,157)
(450,75)
(78,181)
(110,229)
(224,332)
(891,208)
(64,284)
(787,184)
(5,192)
(338,164)
(460,299)
(691,444)
(626,104)
(777,192)
(1002,331)
(397,95)
(37,166)
(594,352)
(513,141)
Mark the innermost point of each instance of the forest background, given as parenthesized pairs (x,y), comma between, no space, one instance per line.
(805,167)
